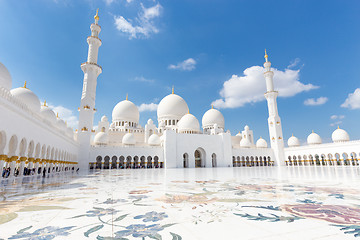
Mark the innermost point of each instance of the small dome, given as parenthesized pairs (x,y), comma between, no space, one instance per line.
(293,142)
(239,135)
(261,143)
(154,140)
(5,78)
(48,114)
(69,132)
(246,128)
(101,138)
(313,138)
(189,123)
(60,124)
(211,117)
(125,111)
(150,121)
(104,119)
(27,97)
(172,106)
(340,135)
(129,139)
(245,143)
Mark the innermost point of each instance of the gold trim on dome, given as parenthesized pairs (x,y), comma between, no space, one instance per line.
(3,157)
(84,129)
(23,159)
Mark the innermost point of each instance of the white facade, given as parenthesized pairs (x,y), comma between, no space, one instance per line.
(32,136)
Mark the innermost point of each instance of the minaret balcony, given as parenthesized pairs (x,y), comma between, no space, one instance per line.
(90,64)
(94,41)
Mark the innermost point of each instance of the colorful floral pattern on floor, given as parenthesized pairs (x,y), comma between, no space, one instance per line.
(223,203)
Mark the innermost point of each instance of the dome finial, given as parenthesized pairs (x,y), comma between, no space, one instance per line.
(96,17)
(57,115)
(212,106)
(312,131)
(127,97)
(172,90)
(266,56)
(24,85)
(45,103)
(292,134)
(188,111)
(338,127)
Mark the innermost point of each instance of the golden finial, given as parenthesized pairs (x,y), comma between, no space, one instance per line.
(127,97)
(172,90)
(188,111)
(57,115)
(266,56)
(45,103)
(292,134)
(338,127)
(24,85)
(260,137)
(96,17)
(312,131)
(212,106)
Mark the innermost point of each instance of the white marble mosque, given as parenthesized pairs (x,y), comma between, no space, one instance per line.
(33,136)
(171,179)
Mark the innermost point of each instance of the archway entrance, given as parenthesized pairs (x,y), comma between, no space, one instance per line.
(185,160)
(199,158)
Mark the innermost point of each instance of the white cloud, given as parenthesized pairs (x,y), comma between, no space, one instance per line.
(294,63)
(250,88)
(148,107)
(336,123)
(143,25)
(142,79)
(353,100)
(66,115)
(108,2)
(315,101)
(186,65)
(334,117)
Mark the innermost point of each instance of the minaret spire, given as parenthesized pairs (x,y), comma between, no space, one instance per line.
(266,56)
(96,17)
(87,106)
(274,121)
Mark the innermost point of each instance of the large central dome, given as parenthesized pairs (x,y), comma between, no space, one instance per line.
(172,106)
(125,111)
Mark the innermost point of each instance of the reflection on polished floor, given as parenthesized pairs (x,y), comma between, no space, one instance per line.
(304,202)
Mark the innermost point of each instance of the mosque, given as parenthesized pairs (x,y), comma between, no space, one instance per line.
(32,136)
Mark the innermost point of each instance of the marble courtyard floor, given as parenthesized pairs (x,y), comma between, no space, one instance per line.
(221,203)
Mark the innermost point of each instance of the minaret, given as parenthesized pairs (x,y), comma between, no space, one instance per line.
(275,129)
(87,106)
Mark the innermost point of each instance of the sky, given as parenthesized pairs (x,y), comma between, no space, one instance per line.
(212,52)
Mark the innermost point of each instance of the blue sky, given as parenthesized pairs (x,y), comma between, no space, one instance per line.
(211,51)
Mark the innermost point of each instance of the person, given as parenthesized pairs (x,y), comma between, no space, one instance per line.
(8,172)
(44,172)
(3,172)
(77,170)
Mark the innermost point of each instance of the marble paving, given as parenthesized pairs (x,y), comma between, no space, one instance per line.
(303,202)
